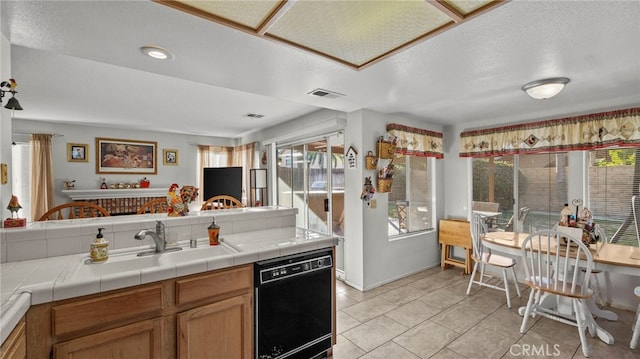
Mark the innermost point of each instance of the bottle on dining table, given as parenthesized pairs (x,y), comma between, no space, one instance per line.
(565,215)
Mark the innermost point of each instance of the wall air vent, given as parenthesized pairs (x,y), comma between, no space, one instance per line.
(252,115)
(325,93)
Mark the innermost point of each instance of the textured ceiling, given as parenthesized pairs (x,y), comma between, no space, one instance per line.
(353,33)
(79,62)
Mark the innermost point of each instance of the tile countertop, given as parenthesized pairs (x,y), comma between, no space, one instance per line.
(45,280)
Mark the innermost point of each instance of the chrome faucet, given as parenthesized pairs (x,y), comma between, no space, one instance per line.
(157,235)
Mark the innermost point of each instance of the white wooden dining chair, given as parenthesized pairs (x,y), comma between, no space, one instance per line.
(549,257)
(636,326)
(483,257)
(595,283)
(634,198)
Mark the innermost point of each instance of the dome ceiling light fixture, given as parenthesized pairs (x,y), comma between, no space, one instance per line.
(157,52)
(544,89)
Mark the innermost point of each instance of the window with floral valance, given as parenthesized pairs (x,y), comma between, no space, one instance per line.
(416,141)
(587,132)
(410,197)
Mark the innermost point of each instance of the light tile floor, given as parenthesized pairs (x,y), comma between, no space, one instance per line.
(428,315)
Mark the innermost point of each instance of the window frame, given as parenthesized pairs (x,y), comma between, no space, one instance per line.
(430,199)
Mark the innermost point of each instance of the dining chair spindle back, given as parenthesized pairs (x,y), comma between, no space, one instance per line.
(74,210)
(549,258)
(483,257)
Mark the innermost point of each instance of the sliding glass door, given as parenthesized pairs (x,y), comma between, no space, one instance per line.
(311,178)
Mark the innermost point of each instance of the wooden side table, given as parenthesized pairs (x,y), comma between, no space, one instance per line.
(455,233)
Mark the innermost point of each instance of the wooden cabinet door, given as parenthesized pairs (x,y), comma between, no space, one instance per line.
(15,346)
(138,340)
(220,330)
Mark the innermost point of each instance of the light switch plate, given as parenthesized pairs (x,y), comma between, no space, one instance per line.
(373,203)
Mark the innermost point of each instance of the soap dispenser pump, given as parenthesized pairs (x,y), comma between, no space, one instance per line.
(99,248)
(214,232)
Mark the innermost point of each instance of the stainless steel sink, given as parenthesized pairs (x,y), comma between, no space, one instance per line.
(130,261)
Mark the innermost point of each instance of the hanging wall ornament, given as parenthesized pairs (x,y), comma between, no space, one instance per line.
(368,190)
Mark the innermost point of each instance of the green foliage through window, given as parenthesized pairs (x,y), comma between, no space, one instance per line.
(503,182)
(617,157)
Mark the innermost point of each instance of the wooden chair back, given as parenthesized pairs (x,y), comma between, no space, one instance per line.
(158,205)
(221,202)
(74,210)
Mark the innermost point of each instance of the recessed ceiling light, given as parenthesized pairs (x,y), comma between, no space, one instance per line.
(157,52)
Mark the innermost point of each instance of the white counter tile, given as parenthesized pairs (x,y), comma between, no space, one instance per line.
(12,313)
(72,289)
(149,275)
(119,280)
(245,257)
(220,262)
(40,293)
(191,267)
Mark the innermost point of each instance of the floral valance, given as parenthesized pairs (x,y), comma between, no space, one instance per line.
(578,133)
(415,141)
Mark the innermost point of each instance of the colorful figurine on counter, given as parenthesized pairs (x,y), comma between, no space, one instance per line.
(174,201)
(188,194)
(14,206)
(179,201)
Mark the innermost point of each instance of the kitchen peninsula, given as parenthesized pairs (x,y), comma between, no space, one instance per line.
(160,304)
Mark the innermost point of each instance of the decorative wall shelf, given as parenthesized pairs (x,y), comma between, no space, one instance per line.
(84,194)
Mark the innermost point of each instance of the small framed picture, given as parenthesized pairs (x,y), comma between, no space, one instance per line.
(169,157)
(77,152)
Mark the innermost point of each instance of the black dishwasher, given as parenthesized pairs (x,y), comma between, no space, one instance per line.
(293,306)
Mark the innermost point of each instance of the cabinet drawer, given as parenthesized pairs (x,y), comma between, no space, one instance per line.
(214,284)
(114,308)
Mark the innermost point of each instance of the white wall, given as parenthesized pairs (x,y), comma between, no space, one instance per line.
(384,260)
(185,173)
(5,118)
(354,207)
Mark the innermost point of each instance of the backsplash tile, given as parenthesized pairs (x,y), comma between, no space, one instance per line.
(56,238)
(26,249)
(62,246)
(15,234)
